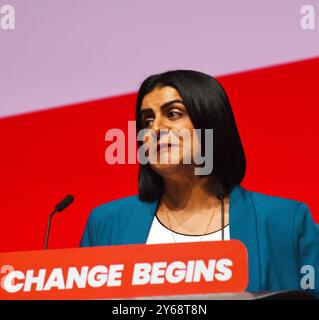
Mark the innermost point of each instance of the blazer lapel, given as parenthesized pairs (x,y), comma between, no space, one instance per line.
(140,224)
(243,226)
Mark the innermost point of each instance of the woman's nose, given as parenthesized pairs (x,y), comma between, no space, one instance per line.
(159,124)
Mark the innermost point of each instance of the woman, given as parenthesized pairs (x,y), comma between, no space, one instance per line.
(176,205)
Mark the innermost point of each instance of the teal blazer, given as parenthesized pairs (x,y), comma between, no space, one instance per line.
(279,234)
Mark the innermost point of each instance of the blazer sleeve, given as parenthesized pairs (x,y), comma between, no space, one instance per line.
(307,248)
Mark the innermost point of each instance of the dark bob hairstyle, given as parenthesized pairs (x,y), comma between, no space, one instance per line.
(208,108)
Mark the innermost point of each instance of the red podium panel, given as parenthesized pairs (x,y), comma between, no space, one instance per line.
(125,271)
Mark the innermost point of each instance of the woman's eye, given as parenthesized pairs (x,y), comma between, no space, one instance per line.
(146,122)
(173,114)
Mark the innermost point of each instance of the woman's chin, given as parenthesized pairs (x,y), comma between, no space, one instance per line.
(165,168)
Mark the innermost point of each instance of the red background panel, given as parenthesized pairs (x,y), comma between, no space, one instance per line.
(49,154)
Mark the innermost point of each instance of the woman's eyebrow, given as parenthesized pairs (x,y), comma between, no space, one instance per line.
(163,106)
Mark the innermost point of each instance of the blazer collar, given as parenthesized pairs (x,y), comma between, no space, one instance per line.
(243,226)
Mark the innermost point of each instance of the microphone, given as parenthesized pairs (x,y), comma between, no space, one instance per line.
(58,208)
(220,194)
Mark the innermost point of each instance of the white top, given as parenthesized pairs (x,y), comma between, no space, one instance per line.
(161,234)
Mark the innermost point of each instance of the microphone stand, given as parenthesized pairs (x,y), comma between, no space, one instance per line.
(48,229)
(221,198)
(58,208)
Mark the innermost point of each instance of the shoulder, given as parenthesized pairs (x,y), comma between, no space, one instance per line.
(109,222)
(271,202)
(110,209)
(279,211)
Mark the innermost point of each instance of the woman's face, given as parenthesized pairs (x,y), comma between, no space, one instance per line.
(163,111)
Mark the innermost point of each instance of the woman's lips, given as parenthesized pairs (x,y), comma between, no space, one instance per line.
(165,146)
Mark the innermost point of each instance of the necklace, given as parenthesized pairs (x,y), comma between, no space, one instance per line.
(170,225)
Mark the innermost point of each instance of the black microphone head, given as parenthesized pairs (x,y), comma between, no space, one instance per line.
(64,203)
(219,190)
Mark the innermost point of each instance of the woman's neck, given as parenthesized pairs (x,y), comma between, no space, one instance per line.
(189,193)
